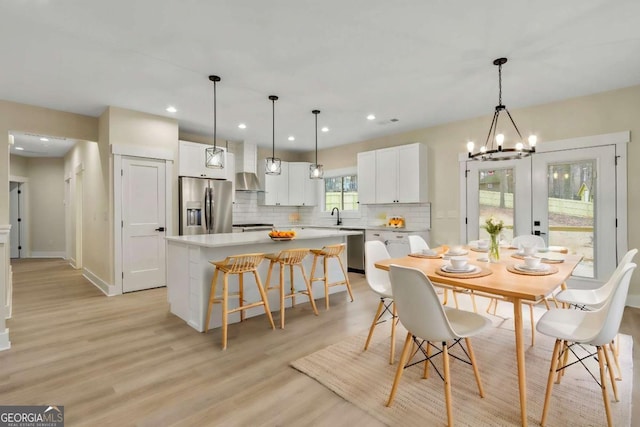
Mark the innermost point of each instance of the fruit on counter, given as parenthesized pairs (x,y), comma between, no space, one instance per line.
(396,221)
(282,233)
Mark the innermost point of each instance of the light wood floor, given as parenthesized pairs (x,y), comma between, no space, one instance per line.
(126,360)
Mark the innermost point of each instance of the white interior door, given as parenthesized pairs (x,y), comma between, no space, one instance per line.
(574,196)
(143,224)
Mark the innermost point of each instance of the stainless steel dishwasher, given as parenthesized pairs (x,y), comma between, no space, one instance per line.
(355,251)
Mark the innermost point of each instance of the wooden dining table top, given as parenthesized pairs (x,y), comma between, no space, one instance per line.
(500,282)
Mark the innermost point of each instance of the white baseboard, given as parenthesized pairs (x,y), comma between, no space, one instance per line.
(107,289)
(633,300)
(52,254)
(5,344)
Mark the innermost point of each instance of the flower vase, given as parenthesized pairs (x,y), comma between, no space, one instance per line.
(494,248)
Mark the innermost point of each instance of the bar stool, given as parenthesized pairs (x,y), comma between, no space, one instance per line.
(326,253)
(291,258)
(236,264)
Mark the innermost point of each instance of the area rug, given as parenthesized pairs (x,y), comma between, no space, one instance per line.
(365,379)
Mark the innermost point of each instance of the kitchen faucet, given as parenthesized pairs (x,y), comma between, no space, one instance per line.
(339,221)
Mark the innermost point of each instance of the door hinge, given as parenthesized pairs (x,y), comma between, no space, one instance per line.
(616,160)
(19,192)
(121,224)
(123,274)
(19,219)
(19,248)
(466,220)
(466,173)
(121,172)
(616,222)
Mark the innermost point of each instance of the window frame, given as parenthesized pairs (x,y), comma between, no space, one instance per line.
(335,173)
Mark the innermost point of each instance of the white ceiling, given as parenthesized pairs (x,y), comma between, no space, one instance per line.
(34,145)
(422,62)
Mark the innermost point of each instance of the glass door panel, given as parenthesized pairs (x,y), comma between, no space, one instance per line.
(496,199)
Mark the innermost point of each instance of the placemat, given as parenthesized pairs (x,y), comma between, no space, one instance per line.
(479,273)
(542,259)
(478,249)
(552,270)
(419,255)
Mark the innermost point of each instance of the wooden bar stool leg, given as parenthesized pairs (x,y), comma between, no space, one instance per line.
(241,294)
(212,297)
(281,295)
(326,283)
(225,308)
(293,289)
(313,278)
(346,277)
(265,300)
(308,285)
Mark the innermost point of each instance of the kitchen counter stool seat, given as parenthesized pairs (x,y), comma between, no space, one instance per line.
(236,264)
(327,253)
(291,258)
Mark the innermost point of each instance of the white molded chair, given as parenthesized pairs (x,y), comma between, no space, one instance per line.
(596,328)
(429,322)
(379,283)
(528,240)
(417,243)
(591,299)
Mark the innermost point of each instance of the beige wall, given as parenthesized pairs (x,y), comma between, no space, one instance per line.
(18,166)
(46,205)
(607,112)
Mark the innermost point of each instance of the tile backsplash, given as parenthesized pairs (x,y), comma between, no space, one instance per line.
(247,210)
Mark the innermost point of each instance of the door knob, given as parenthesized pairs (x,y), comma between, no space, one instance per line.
(160,229)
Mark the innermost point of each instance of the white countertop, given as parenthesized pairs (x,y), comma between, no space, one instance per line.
(253,237)
(366,227)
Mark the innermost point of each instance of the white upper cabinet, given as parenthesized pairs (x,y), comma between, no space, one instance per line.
(302,189)
(367,177)
(191,162)
(398,174)
(230,174)
(292,187)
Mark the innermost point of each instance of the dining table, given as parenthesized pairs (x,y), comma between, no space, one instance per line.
(503,281)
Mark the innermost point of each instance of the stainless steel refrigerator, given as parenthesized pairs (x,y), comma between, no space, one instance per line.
(205,206)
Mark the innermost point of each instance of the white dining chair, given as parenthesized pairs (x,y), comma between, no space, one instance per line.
(591,299)
(528,240)
(579,328)
(416,245)
(428,322)
(378,281)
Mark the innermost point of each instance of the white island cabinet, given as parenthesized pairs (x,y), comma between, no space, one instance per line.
(189,271)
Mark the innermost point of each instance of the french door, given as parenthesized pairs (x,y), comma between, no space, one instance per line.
(568,197)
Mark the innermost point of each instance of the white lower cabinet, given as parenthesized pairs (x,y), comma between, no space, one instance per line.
(396,241)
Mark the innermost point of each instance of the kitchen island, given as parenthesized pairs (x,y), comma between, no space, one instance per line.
(189,271)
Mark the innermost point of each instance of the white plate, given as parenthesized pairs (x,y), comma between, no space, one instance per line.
(551,256)
(540,268)
(467,269)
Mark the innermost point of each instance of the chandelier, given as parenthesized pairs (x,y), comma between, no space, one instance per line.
(274,164)
(316,170)
(214,156)
(498,151)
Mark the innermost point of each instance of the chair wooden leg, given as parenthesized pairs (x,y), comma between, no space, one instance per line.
(552,371)
(447,383)
(495,306)
(312,277)
(241,294)
(445,297)
(533,325)
(308,285)
(401,362)
(455,298)
(267,285)
(564,354)
(614,351)
(326,283)
(392,351)
(374,323)
(282,310)
(425,374)
(614,387)
(473,301)
(603,385)
(225,308)
(212,297)
(346,277)
(265,300)
(476,372)
(292,288)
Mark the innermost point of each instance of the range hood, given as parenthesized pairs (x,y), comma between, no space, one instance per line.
(246,155)
(247,181)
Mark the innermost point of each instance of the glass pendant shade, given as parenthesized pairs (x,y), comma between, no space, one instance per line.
(274,166)
(316,171)
(214,157)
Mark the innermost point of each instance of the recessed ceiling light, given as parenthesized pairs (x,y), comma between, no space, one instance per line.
(44,139)
(242,126)
(325,129)
(371,117)
(172,109)
(292,138)
(19,148)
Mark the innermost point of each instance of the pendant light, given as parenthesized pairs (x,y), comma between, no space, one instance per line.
(315,170)
(214,156)
(498,152)
(273,164)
